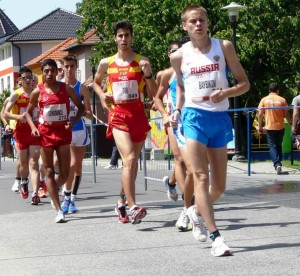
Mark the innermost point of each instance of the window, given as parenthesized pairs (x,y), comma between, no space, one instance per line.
(2,85)
(8,83)
(1,54)
(8,52)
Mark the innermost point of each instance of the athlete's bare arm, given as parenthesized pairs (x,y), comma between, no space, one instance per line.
(84,91)
(105,97)
(34,98)
(146,68)
(237,71)
(11,102)
(165,77)
(176,60)
(78,104)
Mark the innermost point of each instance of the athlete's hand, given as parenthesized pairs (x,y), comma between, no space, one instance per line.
(69,126)
(175,118)
(218,95)
(107,98)
(35,132)
(146,67)
(166,120)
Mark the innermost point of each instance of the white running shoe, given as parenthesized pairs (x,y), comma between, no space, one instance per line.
(183,223)
(220,248)
(199,230)
(278,170)
(60,217)
(15,187)
(171,192)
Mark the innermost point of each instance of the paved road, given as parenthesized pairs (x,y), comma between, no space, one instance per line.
(258,215)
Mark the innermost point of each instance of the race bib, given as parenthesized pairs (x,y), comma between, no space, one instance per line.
(200,87)
(55,113)
(125,91)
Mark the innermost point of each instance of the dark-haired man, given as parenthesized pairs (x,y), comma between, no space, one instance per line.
(55,129)
(127,74)
(274,123)
(27,145)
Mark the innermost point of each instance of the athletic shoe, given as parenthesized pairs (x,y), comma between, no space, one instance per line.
(279,170)
(42,193)
(110,167)
(60,217)
(171,191)
(43,189)
(16,186)
(24,189)
(35,200)
(183,223)
(122,214)
(199,230)
(65,205)
(220,248)
(72,208)
(137,214)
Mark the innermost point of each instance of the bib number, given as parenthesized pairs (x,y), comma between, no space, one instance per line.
(125,91)
(55,113)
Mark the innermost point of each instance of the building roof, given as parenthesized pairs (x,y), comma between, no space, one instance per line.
(61,50)
(57,52)
(7,27)
(57,25)
(89,39)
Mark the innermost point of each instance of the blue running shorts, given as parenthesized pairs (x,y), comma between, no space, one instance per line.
(213,129)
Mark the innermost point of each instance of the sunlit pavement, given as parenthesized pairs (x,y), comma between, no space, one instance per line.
(258,215)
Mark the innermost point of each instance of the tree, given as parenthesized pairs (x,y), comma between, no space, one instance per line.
(268,35)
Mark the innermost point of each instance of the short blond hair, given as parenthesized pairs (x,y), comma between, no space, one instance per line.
(191,8)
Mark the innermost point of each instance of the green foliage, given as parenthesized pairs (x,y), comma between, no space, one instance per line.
(3,96)
(268,42)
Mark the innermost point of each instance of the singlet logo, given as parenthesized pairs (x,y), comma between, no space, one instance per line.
(45,98)
(216,58)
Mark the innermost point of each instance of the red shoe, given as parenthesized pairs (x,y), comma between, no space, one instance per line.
(43,185)
(137,214)
(35,200)
(121,212)
(42,193)
(24,189)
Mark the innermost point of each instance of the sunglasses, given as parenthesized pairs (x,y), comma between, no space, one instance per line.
(27,78)
(173,51)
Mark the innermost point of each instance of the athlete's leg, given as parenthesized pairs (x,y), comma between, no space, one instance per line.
(129,152)
(180,168)
(218,171)
(197,153)
(47,158)
(34,155)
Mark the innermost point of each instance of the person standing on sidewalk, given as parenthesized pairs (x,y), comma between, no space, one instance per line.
(80,135)
(269,109)
(206,124)
(127,74)
(55,129)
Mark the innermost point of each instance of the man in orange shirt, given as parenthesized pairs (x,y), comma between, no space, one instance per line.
(274,123)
